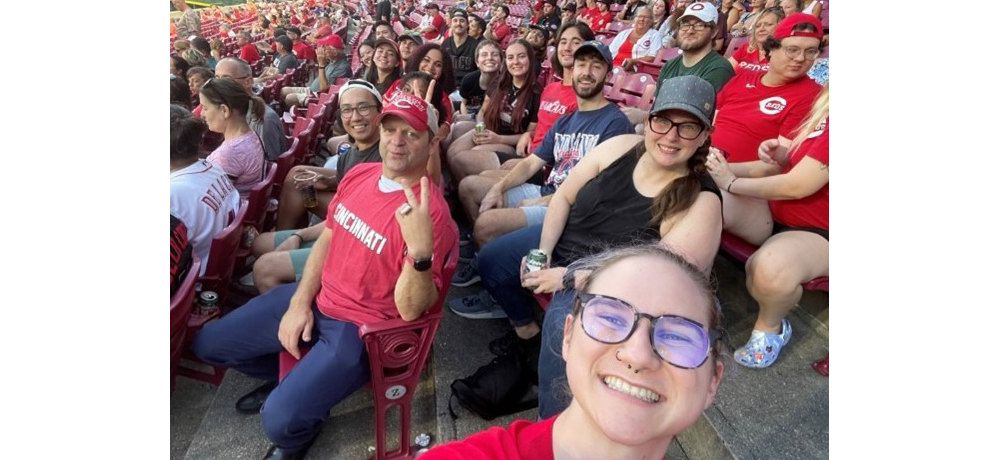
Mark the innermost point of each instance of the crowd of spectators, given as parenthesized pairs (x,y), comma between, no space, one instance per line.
(511,112)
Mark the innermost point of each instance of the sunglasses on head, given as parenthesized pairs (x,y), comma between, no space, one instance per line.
(680,341)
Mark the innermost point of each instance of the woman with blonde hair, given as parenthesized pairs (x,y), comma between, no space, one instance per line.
(780,203)
(750,55)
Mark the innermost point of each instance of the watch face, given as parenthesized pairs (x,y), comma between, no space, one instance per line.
(422,264)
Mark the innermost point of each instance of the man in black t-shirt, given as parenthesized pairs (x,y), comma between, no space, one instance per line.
(460,46)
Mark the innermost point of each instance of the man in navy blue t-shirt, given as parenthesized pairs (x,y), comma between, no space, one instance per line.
(519,203)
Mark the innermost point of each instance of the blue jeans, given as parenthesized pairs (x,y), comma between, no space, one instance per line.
(553,388)
(247,340)
(500,269)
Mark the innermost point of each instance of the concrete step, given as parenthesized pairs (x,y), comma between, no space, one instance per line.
(781,412)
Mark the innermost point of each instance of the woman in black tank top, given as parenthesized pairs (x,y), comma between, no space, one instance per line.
(630,189)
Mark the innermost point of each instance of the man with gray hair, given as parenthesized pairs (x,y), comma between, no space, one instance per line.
(269,129)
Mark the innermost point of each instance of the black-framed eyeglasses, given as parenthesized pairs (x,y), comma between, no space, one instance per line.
(688,130)
(680,341)
(362,109)
(794,51)
(697,26)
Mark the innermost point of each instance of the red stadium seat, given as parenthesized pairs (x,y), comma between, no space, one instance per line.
(736,42)
(662,56)
(218,276)
(741,250)
(397,351)
(180,310)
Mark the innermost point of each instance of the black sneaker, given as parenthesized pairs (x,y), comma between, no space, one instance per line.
(504,344)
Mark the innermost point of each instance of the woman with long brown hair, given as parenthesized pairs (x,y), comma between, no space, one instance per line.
(510,106)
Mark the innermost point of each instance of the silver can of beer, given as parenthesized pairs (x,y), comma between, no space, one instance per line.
(536,260)
(208,302)
(480,127)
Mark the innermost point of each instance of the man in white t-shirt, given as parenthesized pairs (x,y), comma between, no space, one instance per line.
(201,195)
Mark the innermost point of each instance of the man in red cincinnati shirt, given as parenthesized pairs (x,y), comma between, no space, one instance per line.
(248,52)
(393,226)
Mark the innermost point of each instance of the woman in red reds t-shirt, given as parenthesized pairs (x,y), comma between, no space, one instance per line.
(749,57)
(791,188)
(753,107)
(631,396)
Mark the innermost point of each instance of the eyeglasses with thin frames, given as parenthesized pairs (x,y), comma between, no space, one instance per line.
(680,341)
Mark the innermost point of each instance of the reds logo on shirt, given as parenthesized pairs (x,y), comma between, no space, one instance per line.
(646,44)
(819,130)
(773,105)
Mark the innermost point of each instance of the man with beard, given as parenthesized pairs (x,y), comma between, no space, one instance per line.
(460,46)
(564,145)
(694,38)
(558,98)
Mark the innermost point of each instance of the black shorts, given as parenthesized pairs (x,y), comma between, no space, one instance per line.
(779,227)
(537,179)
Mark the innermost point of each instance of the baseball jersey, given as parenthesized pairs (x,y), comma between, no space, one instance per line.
(204,199)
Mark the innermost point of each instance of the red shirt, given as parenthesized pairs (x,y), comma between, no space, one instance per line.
(750,62)
(624,52)
(249,53)
(437,23)
(556,100)
(600,20)
(367,251)
(749,113)
(302,50)
(502,32)
(522,440)
(813,210)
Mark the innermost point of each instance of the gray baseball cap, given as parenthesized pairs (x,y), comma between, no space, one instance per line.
(688,93)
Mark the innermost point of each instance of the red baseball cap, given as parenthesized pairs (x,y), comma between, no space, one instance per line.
(331,40)
(784,29)
(414,110)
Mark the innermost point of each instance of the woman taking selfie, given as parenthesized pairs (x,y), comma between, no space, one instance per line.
(641,363)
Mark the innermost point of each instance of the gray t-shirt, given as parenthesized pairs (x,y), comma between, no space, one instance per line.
(353,157)
(270,131)
(336,69)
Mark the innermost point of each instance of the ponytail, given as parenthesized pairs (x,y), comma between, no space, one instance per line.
(256,108)
(682,192)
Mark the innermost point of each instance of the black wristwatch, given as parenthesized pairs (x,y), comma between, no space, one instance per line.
(422,264)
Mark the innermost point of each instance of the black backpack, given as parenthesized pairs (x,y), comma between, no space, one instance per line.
(502,387)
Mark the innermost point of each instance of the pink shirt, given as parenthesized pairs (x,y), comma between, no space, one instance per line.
(242,158)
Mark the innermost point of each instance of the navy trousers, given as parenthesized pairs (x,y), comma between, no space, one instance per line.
(247,340)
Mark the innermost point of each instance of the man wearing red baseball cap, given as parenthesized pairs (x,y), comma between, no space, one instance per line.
(754,107)
(382,255)
(330,56)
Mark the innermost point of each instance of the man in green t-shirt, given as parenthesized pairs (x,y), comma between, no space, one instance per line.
(694,38)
